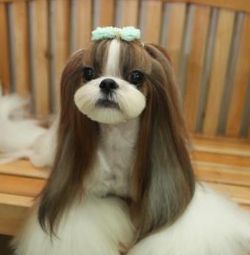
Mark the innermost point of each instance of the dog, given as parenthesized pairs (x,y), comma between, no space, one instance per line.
(121,180)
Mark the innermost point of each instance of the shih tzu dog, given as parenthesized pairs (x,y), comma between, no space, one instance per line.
(121,179)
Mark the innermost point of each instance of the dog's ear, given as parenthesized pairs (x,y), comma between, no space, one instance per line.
(163,181)
(75,150)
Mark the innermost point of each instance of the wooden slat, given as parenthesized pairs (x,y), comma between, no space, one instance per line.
(24,168)
(175,33)
(106,13)
(236,5)
(84,23)
(152,20)
(4,49)
(231,160)
(241,82)
(11,218)
(40,55)
(20,185)
(195,65)
(221,145)
(14,209)
(212,172)
(21,43)
(219,67)
(131,7)
(13,212)
(238,193)
(61,43)
(14,200)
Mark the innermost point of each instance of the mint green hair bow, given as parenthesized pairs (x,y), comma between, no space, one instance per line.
(126,33)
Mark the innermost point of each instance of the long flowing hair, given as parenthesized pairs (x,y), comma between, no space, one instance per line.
(162,184)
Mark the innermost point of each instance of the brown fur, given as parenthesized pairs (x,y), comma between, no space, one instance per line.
(162,184)
(77,142)
(163,177)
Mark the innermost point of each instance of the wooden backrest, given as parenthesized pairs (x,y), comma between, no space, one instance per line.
(208,41)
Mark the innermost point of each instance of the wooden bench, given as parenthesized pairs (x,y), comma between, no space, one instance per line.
(208,41)
(224,164)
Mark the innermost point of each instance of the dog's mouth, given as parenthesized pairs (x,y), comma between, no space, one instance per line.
(107,103)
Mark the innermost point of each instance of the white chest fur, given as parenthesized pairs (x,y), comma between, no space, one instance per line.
(115,156)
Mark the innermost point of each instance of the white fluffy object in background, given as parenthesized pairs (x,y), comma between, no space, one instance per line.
(21,137)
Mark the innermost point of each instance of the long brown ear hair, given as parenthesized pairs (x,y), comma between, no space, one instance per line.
(163,181)
(77,141)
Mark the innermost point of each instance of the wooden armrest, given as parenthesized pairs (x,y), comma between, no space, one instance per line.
(20,184)
(13,211)
(224,164)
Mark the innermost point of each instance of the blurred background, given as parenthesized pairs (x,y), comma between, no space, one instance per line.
(208,42)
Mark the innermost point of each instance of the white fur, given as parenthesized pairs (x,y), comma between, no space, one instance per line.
(130,100)
(211,225)
(96,226)
(115,156)
(113,58)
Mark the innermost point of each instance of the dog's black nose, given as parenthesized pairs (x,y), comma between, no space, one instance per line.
(107,85)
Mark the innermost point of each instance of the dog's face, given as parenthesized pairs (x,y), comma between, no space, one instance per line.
(113,82)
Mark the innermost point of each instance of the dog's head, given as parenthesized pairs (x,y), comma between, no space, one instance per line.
(112,88)
(112,82)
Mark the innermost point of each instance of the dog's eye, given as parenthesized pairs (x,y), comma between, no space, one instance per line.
(88,73)
(136,77)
